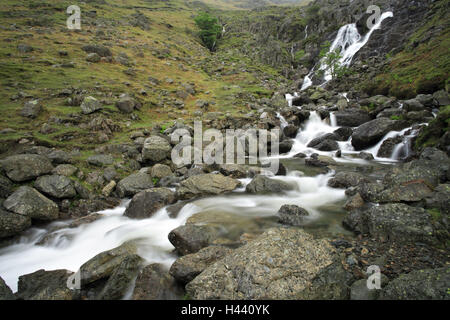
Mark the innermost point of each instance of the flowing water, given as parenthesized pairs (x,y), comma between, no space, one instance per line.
(348,42)
(68,248)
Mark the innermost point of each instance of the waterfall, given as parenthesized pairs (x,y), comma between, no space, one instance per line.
(306,32)
(349,42)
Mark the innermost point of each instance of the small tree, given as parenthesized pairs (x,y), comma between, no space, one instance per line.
(332,60)
(210,30)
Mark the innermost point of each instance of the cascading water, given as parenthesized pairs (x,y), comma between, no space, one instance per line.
(349,42)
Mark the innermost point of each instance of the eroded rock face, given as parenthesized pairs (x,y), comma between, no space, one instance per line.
(29,202)
(24,167)
(155,283)
(186,268)
(430,284)
(206,184)
(45,285)
(280,264)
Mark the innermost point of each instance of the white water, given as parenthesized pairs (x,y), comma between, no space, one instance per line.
(348,41)
(71,247)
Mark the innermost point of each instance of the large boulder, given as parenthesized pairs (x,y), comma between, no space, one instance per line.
(191,238)
(146,203)
(186,268)
(373,131)
(352,117)
(45,285)
(156,149)
(24,167)
(430,284)
(263,184)
(395,222)
(90,105)
(29,202)
(12,223)
(5,291)
(134,184)
(292,215)
(280,264)
(205,185)
(56,186)
(103,265)
(155,283)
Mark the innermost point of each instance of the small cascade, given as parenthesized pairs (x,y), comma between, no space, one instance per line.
(306,32)
(283,121)
(307,82)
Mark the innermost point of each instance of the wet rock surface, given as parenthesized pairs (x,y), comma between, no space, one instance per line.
(280,264)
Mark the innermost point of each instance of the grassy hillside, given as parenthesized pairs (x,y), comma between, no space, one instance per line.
(165,56)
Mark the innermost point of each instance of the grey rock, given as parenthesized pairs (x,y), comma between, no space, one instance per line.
(346,180)
(156,149)
(263,184)
(373,131)
(121,279)
(429,284)
(206,184)
(56,186)
(5,291)
(394,222)
(279,264)
(146,203)
(134,184)
(90,105)
(191,238)
(100,160)
(31,109)
(104,264)
(160,171)
(29,202)
(155,283)
(12,224)
(45,285)
(292,215)
(186,268)
(24,167)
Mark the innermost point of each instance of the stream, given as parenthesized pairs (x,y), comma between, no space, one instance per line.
(68,248)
